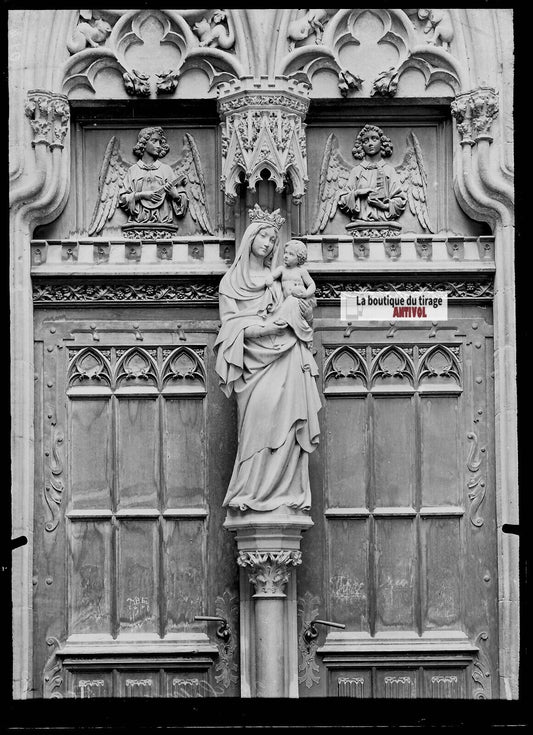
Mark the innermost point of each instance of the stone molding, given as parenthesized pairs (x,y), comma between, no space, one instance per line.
(196,292)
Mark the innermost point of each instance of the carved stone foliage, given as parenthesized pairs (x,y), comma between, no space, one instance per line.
(416,366)
(474,112)
(308,668)
(52,674)
(151,192)
(476,483)
(481,673)
(373,193)
(468,290)
(149,50)
(121,293)
(164,368)
(269,570)
(481,289)
(354,41)
(262,130)
(53,490)
(49,116)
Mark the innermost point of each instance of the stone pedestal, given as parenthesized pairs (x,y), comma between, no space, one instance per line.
(269,550)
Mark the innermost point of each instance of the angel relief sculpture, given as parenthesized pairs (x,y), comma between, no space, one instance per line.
(373,193)
(153,193)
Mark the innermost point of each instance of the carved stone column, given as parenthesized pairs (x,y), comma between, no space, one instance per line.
(262,128)
(269,552)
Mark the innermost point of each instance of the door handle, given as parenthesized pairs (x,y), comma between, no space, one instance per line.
(311,632)
(223,631)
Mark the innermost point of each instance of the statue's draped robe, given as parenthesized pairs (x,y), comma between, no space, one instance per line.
(273,378)
(141,177)
(381,176)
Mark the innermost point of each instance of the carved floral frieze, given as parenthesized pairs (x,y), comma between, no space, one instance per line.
(194,292)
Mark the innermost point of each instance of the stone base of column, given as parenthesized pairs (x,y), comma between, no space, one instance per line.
(269,550)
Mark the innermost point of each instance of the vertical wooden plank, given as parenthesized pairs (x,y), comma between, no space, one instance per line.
(138,576)
(348,564)
(346,433)
(138,453)
(395,564)
(393,451)
(89,451)
(439,450)
(89,579)
(184,574)
(442,552)
(184,452)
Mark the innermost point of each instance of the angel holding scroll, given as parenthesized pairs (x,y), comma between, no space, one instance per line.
(153,193)
(372,191)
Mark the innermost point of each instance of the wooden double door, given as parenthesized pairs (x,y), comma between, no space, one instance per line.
(135,444)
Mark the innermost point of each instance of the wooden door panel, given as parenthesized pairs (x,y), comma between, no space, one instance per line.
(184,457)
(441,571)
(393,431)
(90,593)
(347,454)
(403,471)
(90,453)
(137,445)
(440,450)
(394,540)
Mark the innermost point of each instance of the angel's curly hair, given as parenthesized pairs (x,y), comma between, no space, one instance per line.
(386,143)
(144,136)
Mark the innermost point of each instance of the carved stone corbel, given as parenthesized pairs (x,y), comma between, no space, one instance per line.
(263,128)
(49,117)
(269,571)
(474,112)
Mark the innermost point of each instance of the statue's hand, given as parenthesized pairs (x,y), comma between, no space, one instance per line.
(149,195)
(171,190)
(269,281)
(378,203)
(363,192)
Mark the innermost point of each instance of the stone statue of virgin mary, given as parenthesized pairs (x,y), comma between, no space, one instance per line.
(272,374)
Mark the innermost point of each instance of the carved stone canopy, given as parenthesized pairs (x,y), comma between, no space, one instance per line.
(263,129)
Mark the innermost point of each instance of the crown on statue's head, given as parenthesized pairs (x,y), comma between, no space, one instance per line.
(269,218)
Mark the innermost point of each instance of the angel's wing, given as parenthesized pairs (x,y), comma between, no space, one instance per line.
(414,181)
(112,172)
(334,174)
(190,166)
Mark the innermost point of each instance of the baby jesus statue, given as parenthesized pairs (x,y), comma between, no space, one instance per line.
(296,283)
